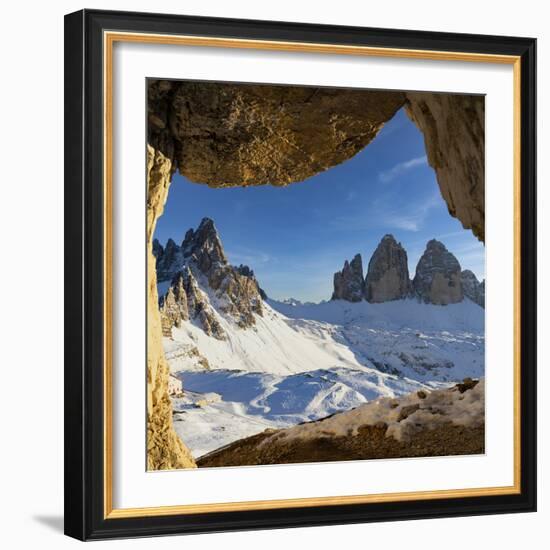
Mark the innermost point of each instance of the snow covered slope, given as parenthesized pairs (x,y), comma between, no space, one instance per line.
(409,338)
(305,362)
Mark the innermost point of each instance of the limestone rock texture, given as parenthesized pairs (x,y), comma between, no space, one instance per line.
(254,135)
(472,288)
(174,307)
(348,283)
(437,279)
(182,301)
(388,272)
(165,450)
(454,135)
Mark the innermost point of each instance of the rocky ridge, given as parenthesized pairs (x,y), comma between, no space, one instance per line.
(472,288)
(438,277)
(199,273)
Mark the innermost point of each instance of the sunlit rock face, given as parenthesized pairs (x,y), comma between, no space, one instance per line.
(388,272)
(348,283)
(454,134)
(254,135)
(437,278)
(201,256)
(165,450)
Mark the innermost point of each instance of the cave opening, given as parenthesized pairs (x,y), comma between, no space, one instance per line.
(276,186)
(295,237)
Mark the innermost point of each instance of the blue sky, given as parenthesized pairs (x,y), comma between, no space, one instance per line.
(296,237)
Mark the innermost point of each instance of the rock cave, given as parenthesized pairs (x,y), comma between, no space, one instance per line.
(239,135)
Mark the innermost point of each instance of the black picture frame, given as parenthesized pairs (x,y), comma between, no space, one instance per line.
(84,281)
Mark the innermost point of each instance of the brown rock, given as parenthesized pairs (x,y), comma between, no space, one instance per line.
(467,384)
(406,411)
(253,134)
(165,450)
(454,134)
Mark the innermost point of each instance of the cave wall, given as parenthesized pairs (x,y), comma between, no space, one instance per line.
(165,450)
(231,135)
(454,135)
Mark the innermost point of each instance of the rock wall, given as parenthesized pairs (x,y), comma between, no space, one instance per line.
(454,136)
(165,450)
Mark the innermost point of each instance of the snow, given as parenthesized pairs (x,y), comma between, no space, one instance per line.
(303,362)
(435,409)
(249,402)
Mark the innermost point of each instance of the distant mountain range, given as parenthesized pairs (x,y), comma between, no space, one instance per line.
(250,363)
(438,280)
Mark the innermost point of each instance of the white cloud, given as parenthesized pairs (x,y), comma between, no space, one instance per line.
(389,175)
(248,257)
(412,218)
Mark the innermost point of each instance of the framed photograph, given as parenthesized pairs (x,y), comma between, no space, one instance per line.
(300,274)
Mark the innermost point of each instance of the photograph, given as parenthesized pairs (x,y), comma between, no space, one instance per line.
(315,274)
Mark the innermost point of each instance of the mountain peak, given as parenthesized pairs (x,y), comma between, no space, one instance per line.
(204,246)
(202,263)
(388,272)
(348,283)
(434,244)
(207,223)
(438,275)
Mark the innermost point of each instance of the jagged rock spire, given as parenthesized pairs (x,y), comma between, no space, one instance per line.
(197,268)
(437,278)
(349,283)
(205,245)
(388,272)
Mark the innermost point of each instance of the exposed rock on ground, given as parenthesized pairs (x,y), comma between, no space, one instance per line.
(472,288)
(348,283)
(437,278)
(388,273)
(439,423)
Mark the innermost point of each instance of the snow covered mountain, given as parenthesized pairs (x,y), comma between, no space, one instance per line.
(248,363)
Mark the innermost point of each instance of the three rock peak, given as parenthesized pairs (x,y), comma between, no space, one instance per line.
(438,278)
